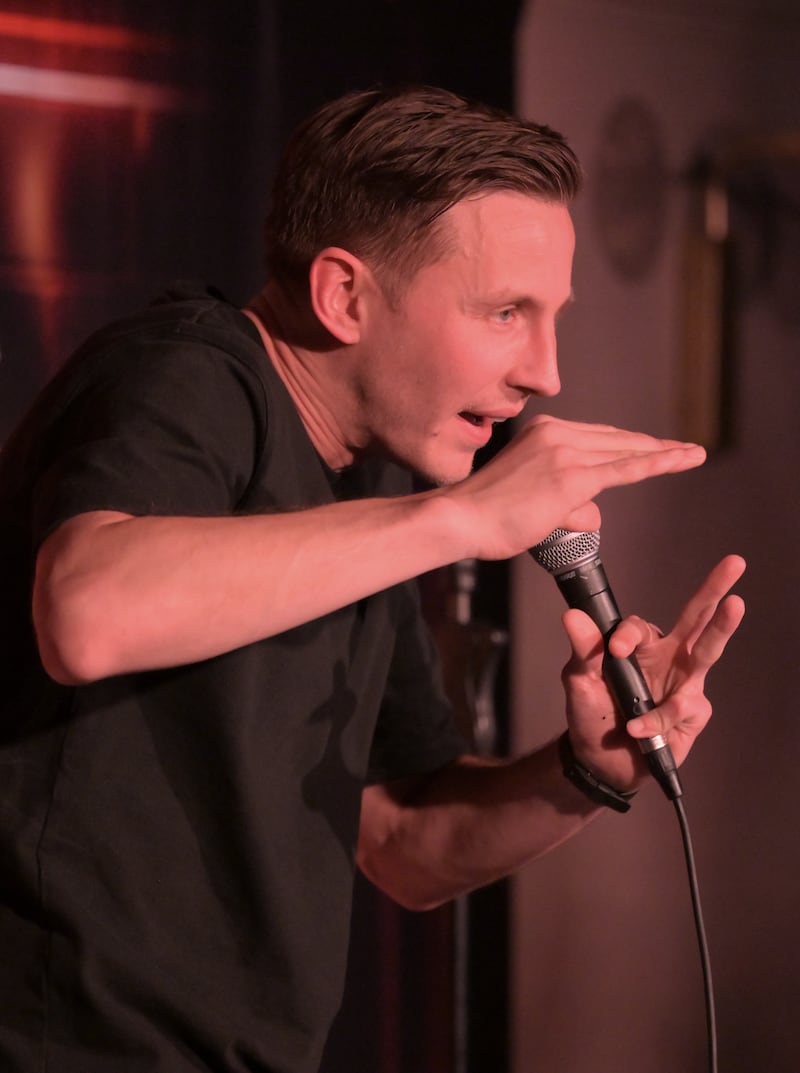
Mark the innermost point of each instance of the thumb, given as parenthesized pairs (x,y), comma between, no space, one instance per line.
(584,637)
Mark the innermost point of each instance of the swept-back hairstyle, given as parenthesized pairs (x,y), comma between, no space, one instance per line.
(373,171)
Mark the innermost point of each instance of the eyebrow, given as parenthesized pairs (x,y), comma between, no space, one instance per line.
(568,301)
(508,298)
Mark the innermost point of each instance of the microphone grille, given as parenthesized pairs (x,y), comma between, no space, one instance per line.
(565,549)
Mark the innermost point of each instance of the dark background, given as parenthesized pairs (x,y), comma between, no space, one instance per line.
(138,143)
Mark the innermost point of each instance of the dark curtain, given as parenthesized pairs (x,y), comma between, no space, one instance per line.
(138,144)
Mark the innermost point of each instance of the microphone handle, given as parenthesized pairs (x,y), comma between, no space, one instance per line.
(586,587)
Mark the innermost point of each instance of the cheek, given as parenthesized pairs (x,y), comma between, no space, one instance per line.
(436,365)
(423,365)
(473,362)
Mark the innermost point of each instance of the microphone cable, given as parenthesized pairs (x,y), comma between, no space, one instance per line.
(702,939)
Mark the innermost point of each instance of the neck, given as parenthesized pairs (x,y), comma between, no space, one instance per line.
(301,362)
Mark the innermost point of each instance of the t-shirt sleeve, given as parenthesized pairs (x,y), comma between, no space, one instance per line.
(415,732)
(162,426)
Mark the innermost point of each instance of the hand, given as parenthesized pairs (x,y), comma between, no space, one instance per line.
(675,666)
(548,476)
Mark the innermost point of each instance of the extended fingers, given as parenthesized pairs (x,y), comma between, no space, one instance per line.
(701,607)
(708,615)
(687,708)
(599,436)
(607,456)
(713,638)
(656,458)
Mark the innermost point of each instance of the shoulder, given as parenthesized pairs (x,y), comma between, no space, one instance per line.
(185,313)
(188,351)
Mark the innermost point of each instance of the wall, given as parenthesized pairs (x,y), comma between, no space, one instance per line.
(605,967)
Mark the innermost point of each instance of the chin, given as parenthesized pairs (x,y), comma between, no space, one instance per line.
(432,462)
(441,474)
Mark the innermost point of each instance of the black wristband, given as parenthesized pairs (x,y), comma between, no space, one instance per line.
(580,777)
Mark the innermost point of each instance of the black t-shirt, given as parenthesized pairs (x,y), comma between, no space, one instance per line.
(176,847)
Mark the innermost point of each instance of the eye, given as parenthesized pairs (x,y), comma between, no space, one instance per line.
(507,314)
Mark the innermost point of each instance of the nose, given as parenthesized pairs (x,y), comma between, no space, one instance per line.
(537,370)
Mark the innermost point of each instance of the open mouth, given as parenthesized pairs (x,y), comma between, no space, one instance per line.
(480,420)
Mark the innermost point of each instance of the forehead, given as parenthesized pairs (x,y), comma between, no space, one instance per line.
(498,248)
(505,219)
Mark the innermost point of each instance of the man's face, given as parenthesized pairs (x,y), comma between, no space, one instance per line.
(471,338)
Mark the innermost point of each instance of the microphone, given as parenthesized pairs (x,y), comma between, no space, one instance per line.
(574,561)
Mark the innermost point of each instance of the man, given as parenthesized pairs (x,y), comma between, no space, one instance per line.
(230,699)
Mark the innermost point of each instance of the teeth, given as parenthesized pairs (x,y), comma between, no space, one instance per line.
(472,418)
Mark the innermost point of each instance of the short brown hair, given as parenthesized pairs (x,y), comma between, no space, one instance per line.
(373,171)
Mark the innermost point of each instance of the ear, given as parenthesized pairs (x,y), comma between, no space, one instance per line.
(338,284)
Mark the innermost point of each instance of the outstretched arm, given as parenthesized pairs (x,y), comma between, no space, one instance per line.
(115,593)
(429,840)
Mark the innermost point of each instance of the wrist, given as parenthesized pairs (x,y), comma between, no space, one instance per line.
(453,521)
(599,792)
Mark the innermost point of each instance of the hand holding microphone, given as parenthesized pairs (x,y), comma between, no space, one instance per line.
(574,561)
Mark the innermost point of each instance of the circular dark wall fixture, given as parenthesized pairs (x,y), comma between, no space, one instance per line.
(627,188)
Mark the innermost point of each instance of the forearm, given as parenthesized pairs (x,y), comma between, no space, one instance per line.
(478,821)
(468,826)
(115,594)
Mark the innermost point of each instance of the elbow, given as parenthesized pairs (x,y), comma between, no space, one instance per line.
(78,632)
(423,902)
(402,850)
(414,898)
(62,666)
(70,646)
(412,888)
